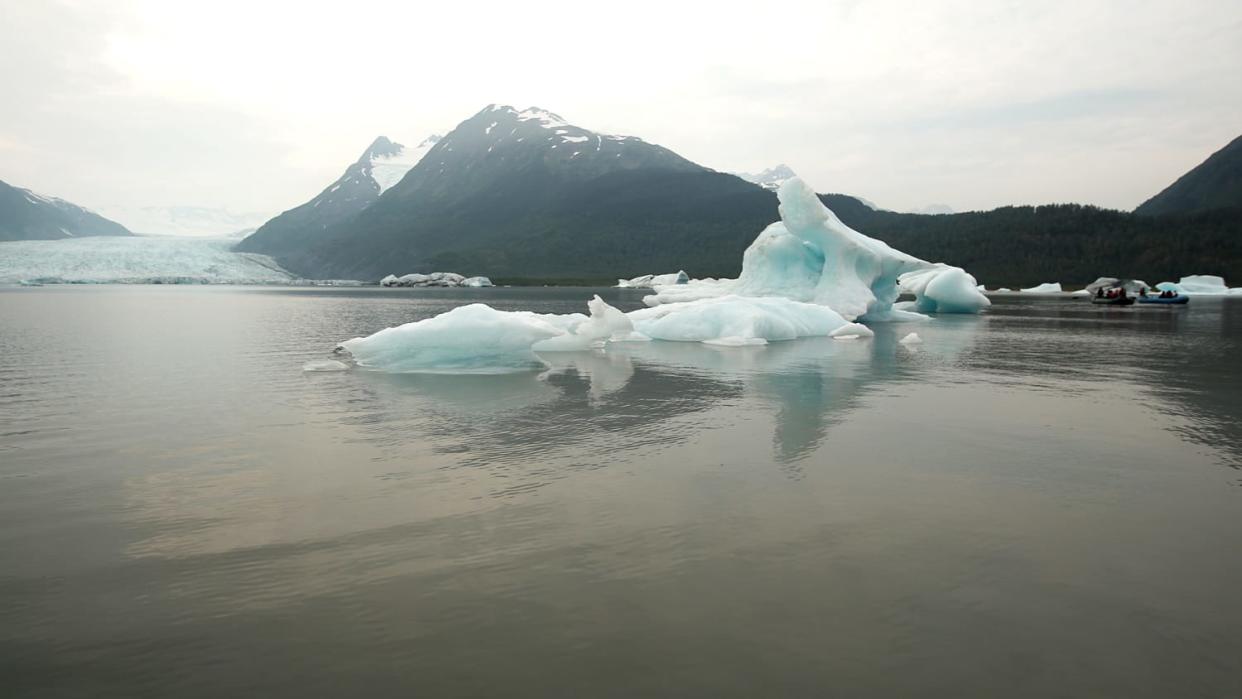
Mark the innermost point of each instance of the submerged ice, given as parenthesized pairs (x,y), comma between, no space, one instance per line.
(806,275)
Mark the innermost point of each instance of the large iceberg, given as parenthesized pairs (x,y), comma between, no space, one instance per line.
(449,279)
(807,275)
(811,256)
(1200,285)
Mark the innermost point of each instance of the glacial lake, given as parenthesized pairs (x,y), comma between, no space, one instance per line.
(1041,501)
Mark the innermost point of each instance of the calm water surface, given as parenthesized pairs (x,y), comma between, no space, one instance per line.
(1042,501)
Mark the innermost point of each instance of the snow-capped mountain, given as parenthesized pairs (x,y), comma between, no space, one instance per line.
(525,191)
(187,221)
(26,215)
(501,142)
(378,169)
(772,178)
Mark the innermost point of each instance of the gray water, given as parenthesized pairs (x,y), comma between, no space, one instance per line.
(1042,501)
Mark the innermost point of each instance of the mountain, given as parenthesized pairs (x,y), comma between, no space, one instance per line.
(772,178)
(526,193)
(25,215)
(380,166)
(1215,184)
(188,221)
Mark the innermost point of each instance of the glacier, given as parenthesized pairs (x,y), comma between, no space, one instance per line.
(136,260)
(807,275)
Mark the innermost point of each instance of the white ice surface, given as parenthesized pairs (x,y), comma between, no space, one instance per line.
(136,260)
(1045,288)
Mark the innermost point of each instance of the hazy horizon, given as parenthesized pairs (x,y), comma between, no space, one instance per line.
(256,108)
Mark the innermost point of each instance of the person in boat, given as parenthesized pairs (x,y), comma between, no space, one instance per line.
(1143,292)
(1099,293)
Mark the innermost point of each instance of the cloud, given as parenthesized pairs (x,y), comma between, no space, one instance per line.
(258,105)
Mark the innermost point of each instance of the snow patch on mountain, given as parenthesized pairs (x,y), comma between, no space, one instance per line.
(387,168)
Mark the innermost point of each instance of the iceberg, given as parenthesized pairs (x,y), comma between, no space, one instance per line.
(942,288)
(446,279)
(651,281)
(811,256)
(736,320)
(808,275)
(477,338)
(1045,288)
(1200,285)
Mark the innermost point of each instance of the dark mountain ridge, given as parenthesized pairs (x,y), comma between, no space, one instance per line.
(25,215)
(1216,183)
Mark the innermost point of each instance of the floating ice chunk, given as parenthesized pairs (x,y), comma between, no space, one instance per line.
(1200,285)
(468,339)
(450,279)
(912,339)
(769,319)
(325,365)
(811,256)
(650,281)
(851,331)
(944,289)
(480,339)
(1045,288)
(1080,292)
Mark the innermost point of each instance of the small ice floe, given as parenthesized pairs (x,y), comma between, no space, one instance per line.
(851,331)
(912,339)
(325,365)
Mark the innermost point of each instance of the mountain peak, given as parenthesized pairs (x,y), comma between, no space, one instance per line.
(28,215)
(771,178)
(1216,183)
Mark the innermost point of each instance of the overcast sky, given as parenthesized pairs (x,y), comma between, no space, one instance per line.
(256,106)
